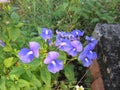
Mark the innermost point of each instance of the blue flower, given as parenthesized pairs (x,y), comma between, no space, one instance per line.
(77,33)
(2,43)
(46,33)
(71,36)
(54,65)
(63,44)
(76,47)
(91,39)
(27,55)
(61,34)
(87,56)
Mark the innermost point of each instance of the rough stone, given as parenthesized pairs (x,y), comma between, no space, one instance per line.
(108,50)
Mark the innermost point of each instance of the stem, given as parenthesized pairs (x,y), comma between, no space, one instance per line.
(81,78)
(71,60)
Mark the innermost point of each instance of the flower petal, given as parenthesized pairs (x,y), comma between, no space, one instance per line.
(64,44)
(77,33)
(52,55)
(92,55)
(26,55)
(77,44)
(35,46)
(91,39)
(89,47)
(87,62)
(55,66)
(47,60)
(82,55)
(73,52)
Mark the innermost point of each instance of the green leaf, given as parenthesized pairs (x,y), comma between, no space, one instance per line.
(2,83)
(17,70)
(14,33)
(45,87)
(69,72)
(33,79)
(39,30)
(7,49)
(62,56)
(9,62)
(34,65)
(23,83)
(14,87)
(19,25)
(45,75)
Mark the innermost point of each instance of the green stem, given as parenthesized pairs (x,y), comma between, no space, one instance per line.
(71,60)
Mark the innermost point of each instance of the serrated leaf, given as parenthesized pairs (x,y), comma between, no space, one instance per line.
(45,75)
(9,62)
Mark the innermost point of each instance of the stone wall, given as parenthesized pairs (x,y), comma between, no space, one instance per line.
(108,51)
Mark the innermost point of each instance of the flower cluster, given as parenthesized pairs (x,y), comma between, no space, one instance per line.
(68,42)
(88,55)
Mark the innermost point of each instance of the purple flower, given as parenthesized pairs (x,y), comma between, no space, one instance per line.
(51,56)
(27,55)
(54,65)
(77,33)
(89,47)
(2,43)
(85,60)
(63,44)
(46,33)
(76,47)
(71,36)
(61,34)
(91,39)
(87,56)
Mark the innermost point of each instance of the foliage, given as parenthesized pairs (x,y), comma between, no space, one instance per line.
(21,22)
(68,14)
